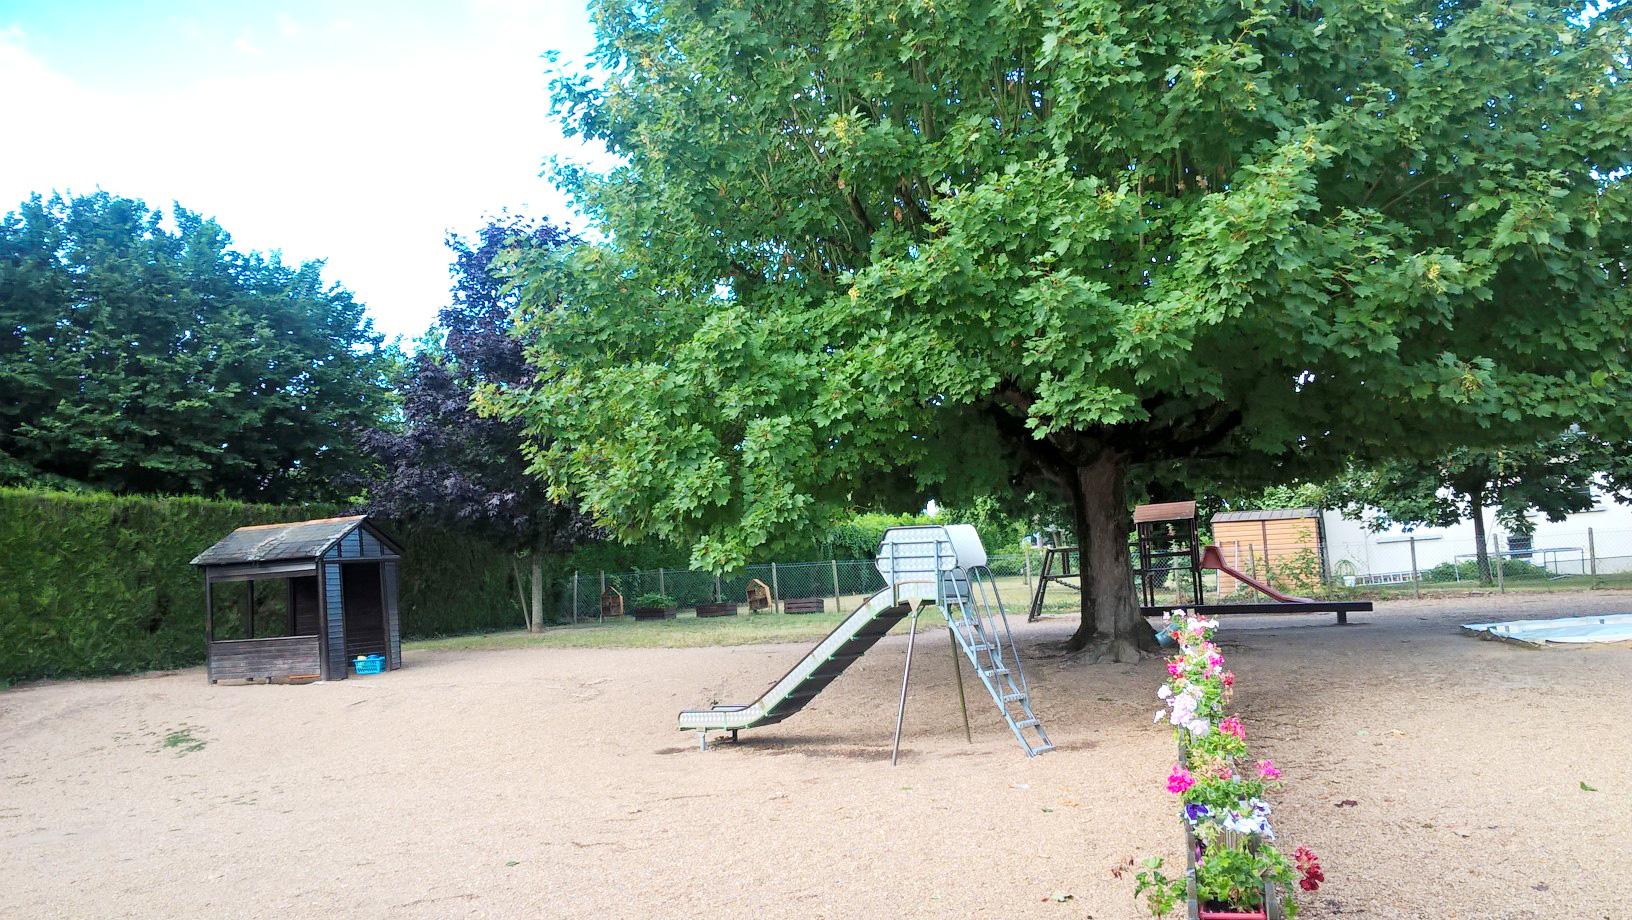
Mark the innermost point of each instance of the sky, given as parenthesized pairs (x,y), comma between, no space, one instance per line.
(358,132)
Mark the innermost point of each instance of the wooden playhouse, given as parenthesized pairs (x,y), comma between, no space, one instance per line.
(1279,544)
(337,600)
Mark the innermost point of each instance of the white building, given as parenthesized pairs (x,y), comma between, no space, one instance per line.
(1590,542)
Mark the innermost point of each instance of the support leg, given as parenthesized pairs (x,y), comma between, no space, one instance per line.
(906,675)
(1342,618)
(957,675)
(702,741)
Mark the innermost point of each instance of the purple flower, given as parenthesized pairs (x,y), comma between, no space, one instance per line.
(1195,811)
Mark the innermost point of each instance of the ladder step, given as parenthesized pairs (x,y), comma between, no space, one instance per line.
(1013,697)
(1026,723)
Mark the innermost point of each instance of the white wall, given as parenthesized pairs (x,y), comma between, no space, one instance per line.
(1563,547)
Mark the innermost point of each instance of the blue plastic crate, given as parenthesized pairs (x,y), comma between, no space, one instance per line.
(368,664)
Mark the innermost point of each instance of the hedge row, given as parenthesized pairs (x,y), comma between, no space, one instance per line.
(100,584)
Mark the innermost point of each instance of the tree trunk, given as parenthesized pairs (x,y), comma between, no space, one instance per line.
(1111,623)
(1476,505)
(538,593)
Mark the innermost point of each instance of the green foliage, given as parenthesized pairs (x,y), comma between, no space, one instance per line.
(139,353)
(100,584)
(1553,477)
(865,252)
(654,599)
(1162,895)
(1468,571)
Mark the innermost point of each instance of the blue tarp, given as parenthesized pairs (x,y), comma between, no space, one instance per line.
(1614,627)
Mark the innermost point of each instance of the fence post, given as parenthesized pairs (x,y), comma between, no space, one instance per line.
(1416,580)
(716,589)
(603,581)
(1592,554)
(836,601)
(661,589)
(1496,541)
(574,597)
(776,591)
(1025,549)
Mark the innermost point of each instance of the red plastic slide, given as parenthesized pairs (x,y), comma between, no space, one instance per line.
(1211,558)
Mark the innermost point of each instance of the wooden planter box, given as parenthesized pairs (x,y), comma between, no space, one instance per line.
(724,609)
(804,605)
(1269,910)
(652,613)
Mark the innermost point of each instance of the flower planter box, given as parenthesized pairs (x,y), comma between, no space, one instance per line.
(724,609)
(652,613)
(1269,910)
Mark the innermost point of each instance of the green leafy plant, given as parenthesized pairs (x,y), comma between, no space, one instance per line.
(1162,895)
(654,599)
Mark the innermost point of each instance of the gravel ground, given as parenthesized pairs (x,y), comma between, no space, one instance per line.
(1438,775)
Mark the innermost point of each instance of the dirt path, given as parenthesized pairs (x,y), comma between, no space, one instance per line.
(1438,775)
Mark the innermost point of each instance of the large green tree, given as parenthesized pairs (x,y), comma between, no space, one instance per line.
(1552,478)
(915,247)
(140,353)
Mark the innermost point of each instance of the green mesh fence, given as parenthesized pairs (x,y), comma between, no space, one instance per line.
(850,581)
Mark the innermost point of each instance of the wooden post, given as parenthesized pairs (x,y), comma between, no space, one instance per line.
(1592,554)
(209,627)
(716,589)
(603,581)
(575,596)
(776,591)
(249,626)
(1025,550)
(836,600)
(660,588)
(1496,541)
(1416,581)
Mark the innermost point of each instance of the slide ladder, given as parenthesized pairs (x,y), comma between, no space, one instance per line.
(975,615)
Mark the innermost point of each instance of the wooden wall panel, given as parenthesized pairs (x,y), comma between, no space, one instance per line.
(289,656)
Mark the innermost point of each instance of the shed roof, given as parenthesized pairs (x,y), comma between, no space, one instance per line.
(1268,514)
(279,542)
(1164,511)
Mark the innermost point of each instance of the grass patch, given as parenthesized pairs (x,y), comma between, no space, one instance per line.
(183,741)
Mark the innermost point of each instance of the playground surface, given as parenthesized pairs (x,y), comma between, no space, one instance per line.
(1438,775)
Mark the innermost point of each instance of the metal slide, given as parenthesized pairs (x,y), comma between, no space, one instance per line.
(859,632)
(944,565)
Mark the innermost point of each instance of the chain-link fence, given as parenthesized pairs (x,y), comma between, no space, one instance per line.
(1547,558)
(1380,563)
(841,584)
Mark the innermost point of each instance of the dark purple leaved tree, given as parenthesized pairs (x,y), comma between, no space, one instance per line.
(446,463)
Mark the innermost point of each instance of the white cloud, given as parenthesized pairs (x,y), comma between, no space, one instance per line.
(365,165)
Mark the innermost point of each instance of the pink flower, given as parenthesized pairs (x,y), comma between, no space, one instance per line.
(1233,726)
(1229,678)
(1179,780)
(1174,668)
(1266,770)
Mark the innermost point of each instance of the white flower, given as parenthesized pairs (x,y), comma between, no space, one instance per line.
(1160,713)
(1164,692)
(1197,727)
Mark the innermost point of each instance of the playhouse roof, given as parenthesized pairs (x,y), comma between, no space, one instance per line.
(1270,514)
(283,542)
